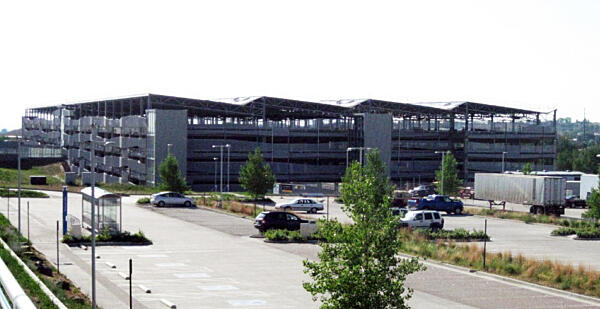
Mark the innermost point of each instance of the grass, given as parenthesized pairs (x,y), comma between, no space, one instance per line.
(230,204)
(53,172)
(457,234)
(530,218)
(143,200)
(544,272)
(71,296)
(129,188)
(105,236)
(24,193)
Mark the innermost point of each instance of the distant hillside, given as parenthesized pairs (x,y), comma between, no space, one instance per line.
(11,132)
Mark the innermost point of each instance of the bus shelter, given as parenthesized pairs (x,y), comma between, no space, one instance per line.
(108,209)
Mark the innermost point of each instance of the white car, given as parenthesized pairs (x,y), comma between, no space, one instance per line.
(171,198)
(302,204)
(428,219)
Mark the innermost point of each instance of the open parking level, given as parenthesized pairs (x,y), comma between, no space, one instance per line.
(205,259)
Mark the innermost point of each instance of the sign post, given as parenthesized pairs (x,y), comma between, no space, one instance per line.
(64,211)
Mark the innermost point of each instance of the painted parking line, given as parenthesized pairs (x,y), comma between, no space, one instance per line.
(170,265)
(152,255)
(191,275)
(246,302)
(218,288)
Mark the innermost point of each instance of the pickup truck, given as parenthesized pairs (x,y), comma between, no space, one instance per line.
(437,202)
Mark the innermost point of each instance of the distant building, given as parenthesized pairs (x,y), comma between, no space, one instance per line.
(304,142)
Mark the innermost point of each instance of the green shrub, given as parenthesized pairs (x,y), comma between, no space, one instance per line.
(588,233)
(143,200)
(106,236)
(278,235)
(564,231)
(457,234)
(294,236)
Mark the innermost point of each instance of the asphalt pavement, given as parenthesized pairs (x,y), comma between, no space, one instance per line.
(206,259)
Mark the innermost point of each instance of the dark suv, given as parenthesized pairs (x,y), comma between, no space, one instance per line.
(277,220)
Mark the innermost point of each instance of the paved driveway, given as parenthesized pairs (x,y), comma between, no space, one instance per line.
(204,259)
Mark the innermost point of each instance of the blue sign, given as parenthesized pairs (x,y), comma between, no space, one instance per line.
(64,210)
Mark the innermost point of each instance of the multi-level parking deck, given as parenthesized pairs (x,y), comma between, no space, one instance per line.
(303,141)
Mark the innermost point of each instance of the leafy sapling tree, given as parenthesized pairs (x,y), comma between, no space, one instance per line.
(593,202)
(170,176)
(451,180)
(527,168)
(359,266)
(256,176)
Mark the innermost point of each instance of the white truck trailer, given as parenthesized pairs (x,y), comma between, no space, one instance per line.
(545,194)
(587,183)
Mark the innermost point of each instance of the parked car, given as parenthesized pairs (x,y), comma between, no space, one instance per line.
(277,220)
(574,201)
(302,204)
(396,211)
(400,198)
(171,198)
(467,192)
(437,202)
(423,219)
(422,190)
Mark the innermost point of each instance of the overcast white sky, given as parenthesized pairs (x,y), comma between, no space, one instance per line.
(538,55)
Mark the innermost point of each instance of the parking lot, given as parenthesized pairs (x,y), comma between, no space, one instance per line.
(206,259)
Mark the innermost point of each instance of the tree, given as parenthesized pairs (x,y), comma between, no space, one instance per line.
(359,266)
(451,180)
(170,176)
(255,176)
(527,168)
(593,202)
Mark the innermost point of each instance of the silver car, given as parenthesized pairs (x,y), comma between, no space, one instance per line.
(302,204)
(171,198)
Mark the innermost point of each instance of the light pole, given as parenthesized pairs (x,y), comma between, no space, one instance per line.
(228,146)
(221,148)
(443,153)
(503,153)
(215,159)
(19,183)
(93,223)
(361,149)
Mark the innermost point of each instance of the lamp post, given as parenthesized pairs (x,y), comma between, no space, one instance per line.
(215,159)
(361,149)
(221,148)
(93,223)
(228,146)
(19,183)
(443,153)
(503,153)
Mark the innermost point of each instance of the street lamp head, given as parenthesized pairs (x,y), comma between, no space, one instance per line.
(227,146)
(214,146)
(598,156)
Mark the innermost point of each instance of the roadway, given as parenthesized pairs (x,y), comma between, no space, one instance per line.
(204,258)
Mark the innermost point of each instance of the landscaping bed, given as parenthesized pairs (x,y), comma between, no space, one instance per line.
(61,286)
(105,238)
(460,235)
(546,272)
(24,193)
